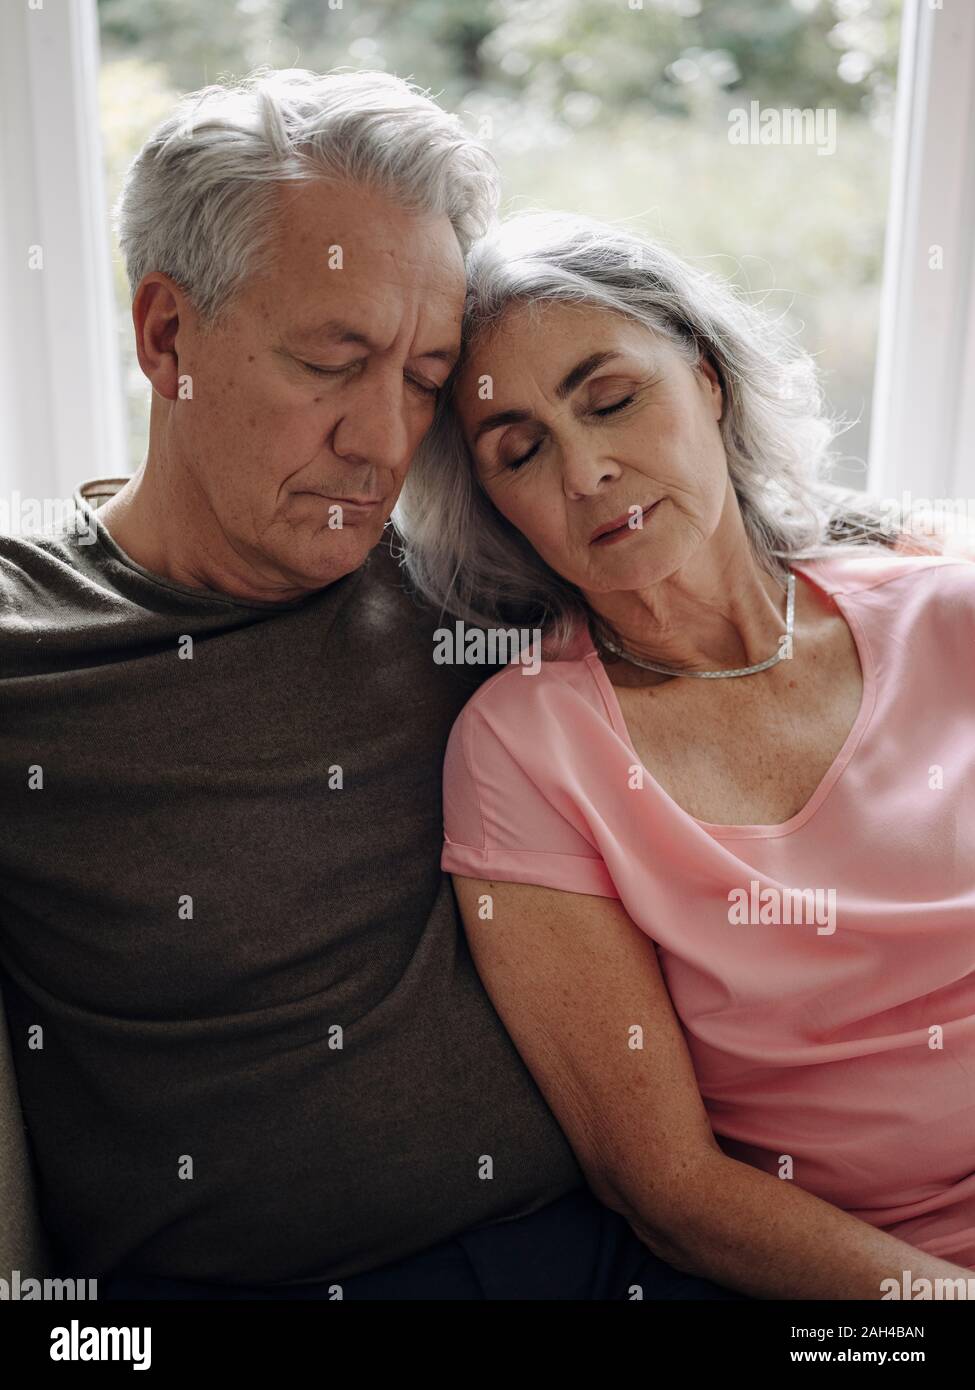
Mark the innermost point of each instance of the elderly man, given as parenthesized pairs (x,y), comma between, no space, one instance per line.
(253,1054)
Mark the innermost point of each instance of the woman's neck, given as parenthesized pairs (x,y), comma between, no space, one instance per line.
(718,611)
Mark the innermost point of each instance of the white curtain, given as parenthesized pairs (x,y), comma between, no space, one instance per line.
(61,413)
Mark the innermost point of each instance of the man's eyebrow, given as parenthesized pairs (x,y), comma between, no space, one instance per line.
(566,386)
(338,331)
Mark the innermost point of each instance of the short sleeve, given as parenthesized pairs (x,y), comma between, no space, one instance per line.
(499,818)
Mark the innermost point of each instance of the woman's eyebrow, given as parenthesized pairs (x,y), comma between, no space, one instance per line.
(503,417)
(566,386)
(581,370)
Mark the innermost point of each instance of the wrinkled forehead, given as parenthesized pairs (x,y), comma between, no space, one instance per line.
(540,335)
(333,247)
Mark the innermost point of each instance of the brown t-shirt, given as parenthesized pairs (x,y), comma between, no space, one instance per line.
(266,1054)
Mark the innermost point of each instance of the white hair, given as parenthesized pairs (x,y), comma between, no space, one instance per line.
(464,557)
(198,199)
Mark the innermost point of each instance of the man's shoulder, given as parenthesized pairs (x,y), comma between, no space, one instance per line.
(38,563)
(49,537)
(387,601)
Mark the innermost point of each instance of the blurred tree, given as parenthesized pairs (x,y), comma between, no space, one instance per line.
(613,107)
(580,59)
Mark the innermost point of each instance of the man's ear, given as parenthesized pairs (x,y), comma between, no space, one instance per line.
(158,308)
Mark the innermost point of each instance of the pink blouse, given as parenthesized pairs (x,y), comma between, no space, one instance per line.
(833,1027)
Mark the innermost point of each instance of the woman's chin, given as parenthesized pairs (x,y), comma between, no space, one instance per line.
(642,567)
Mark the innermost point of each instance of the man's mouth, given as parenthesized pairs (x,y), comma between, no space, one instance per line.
(617,528)
(360,503)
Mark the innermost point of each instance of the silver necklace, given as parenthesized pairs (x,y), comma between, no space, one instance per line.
(790,615)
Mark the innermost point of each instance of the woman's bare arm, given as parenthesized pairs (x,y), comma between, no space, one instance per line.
(571,976)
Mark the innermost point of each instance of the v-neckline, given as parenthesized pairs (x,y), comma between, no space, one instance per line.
(832,774)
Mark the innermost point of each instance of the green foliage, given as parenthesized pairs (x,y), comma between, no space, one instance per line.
(594,105)
(839,53)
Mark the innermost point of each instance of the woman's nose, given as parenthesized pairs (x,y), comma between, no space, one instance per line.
(585,470)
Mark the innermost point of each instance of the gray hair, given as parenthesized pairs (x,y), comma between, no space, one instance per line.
(198,199)
(463,556)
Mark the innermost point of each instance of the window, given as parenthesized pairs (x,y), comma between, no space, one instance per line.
(756,137)
(616,109)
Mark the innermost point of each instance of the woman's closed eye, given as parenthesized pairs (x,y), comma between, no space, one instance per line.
(601,411)
(516,463)
(617,405)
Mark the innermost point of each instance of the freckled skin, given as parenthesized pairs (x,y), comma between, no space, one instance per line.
(222,500)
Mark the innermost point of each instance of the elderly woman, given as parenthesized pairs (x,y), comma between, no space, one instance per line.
(716,855)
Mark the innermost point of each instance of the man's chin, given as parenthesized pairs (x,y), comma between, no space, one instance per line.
(334,554)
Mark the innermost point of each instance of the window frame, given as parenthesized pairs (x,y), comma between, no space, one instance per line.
(922,437)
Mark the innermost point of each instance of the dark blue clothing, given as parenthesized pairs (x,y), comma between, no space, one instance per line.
(573,1248)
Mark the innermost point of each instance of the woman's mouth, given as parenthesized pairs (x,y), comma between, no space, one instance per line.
(612,531)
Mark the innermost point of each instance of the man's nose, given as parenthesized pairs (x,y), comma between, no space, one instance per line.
(375,425)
